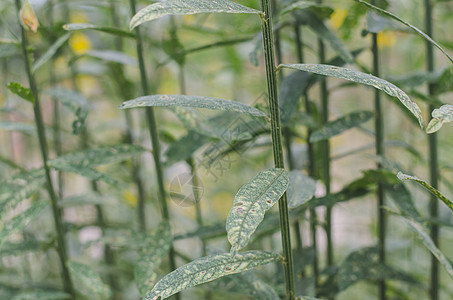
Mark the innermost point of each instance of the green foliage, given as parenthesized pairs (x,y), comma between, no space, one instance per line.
(88,281)
(19,90)
(441,115)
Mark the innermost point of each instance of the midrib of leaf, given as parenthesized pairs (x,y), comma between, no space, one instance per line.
(258,198)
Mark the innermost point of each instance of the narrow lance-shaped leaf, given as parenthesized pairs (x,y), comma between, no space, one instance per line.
(88,282)
(441,115)
(424,35)
(359,77)
(251,203)
(21,220)
(84,171)
(301,188)
(187,7)
(341,125)
(23,92)
(50,52)
(207,269)
(110,56)
(151,256)
(428,242)
(192,101)
(85,26)
(432,190)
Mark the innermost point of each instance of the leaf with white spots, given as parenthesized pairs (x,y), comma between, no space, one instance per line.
(207,269)
(151,255)
(301,188)
(251,203)
(192,101)
(88,282)
(187,7)
(359,77)
(441,115)
(340,125)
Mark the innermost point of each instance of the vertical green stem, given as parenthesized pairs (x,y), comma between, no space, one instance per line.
(151,120)
(61,247)
(266,19)
(311,160)
(379,128)
(433,160)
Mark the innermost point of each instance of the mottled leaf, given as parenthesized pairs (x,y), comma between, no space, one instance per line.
(16,126)
(250,284)
(208,268)
(403,200)
(418,31)
(428,242)
(85,26)
(301,188)
(76,103)
(88,282)
(340,125)
(42,296)
(432,190)
(192,101)
(157,246)
(187,7)
(441,115)
(363,78)
(21,220)
(19,90)
(251,203)
(50,52)
(291,89)
(364,265)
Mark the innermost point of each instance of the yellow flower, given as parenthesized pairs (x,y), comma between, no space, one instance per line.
(78,17)
(337,17)
(386,39)
(79,43)
(28,18)
(130,198)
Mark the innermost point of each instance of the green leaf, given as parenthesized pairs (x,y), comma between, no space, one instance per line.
(85,199)
(76,103)
(50,52)
(432,190)
(301,188)
(185,147)
(441,115)
(192,101)
(250,204)
(364,265)
(291,89)
(428,242)
(15,249)
(42,296)
(157,246)
(340,125)
(110,30)
(298,5)
(21,220)
(82,170)
(247,283)
(403,200)
(8,50)
(187,7)
(418,31)
(363,78)
(16,126)
(19,90)
(208,268)
(111,56)
(376,23)
(88,282)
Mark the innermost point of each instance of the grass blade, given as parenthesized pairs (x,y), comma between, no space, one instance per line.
(359,77)
(251,203)
(340,125)
(208,268)
(192,101)
(187,7)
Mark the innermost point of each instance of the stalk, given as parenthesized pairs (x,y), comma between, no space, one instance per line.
(379,128)
(433,160)
(311,160)
(61,240)
(266,18)
(325,145)
(151,120)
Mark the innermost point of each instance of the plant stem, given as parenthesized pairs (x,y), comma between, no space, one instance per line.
(433,160)
(61,247)
(266,19)
(379,129)
(151,120)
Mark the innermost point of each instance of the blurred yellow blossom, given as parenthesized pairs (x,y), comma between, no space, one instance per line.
(386,39)
(130,198)
(79,43)
(337,17)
